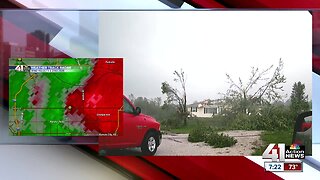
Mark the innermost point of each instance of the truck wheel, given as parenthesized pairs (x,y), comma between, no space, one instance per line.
(149,145)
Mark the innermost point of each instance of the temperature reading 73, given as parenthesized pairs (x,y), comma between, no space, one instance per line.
(293,166)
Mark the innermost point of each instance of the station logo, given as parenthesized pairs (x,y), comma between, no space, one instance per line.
(295,151)
(280,152)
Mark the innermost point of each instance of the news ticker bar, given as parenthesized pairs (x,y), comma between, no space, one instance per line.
(283,166)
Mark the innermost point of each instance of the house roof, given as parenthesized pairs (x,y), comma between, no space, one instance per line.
(206,103)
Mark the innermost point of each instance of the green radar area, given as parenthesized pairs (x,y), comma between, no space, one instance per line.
(57,97)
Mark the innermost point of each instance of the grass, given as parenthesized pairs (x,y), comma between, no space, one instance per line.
(273,137)
(182,130)
(211,137)
(216,122)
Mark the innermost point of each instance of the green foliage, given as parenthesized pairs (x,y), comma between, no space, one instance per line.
(217,123)
(149,106)
(208,135)
(198,134)
(219,140)
(270,117)
(166,114)
(299,101)
(172,122)
(273,137)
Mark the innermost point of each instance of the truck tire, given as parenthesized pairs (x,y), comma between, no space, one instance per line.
(149,145)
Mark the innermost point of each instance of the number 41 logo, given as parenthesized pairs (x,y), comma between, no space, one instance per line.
(21,68)
(274,152)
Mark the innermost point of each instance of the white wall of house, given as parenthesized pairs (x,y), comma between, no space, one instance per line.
(200,112)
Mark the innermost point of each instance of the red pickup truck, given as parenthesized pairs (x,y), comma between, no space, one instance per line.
(139,130)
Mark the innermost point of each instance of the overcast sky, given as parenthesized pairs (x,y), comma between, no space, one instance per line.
(206,45)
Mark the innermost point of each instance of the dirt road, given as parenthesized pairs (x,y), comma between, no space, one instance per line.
(177,144)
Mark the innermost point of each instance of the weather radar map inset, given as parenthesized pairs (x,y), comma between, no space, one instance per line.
(65,96)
